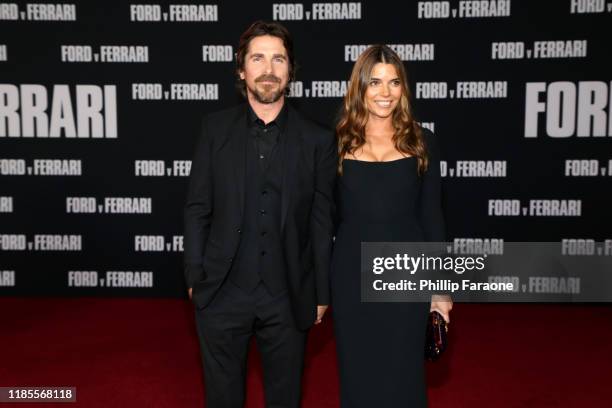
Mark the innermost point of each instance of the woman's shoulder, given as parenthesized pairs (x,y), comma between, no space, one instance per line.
(429,138)
(427,134)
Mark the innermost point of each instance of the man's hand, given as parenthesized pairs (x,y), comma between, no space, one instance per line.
(189,291)
(443,305)
(320,312)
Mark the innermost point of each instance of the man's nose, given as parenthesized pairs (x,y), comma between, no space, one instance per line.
(268,66)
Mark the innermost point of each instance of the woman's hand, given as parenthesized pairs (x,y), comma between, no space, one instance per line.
(443,305)
(320,312)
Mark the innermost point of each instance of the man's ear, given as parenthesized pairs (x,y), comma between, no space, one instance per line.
(241,74)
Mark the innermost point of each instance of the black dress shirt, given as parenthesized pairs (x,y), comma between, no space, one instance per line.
(266,136)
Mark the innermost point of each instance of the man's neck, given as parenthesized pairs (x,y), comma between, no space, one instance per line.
(267,112)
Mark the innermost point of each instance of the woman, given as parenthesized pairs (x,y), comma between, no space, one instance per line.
(388,190)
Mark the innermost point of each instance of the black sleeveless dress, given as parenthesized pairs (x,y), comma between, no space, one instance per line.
(380,345)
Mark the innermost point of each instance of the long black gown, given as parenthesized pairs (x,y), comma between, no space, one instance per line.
(380,345)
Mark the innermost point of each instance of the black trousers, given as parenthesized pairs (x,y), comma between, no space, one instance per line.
(225,327)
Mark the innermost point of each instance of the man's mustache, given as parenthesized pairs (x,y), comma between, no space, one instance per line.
(267,78)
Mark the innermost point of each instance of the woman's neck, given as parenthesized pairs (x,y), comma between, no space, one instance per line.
(379,129)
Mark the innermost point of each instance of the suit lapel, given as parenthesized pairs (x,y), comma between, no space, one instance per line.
(238,140)
(291,152)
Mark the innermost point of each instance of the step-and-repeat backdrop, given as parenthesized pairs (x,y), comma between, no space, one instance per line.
(100,105)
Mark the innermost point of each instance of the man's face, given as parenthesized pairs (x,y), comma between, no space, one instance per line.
(266,69)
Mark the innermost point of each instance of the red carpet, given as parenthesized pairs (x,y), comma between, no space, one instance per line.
(144,353)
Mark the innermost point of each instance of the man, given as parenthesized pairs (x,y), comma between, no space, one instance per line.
(258,227)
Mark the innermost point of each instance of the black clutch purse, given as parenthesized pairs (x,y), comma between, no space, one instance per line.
(435,337)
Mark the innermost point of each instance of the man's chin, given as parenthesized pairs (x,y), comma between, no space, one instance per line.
(268,97)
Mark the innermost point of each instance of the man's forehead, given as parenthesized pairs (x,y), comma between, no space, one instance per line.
(266,44)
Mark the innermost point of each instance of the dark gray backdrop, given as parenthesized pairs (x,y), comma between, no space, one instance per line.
(40,202)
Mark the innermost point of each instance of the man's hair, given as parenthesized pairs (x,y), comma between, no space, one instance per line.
(258,29)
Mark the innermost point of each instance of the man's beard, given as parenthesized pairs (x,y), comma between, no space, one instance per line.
(267,96)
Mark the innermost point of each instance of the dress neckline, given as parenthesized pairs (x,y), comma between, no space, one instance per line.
(386,161)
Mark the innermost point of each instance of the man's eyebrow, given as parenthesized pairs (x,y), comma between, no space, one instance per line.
(280,56)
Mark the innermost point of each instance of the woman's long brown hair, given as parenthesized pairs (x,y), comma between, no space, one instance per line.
(350,130)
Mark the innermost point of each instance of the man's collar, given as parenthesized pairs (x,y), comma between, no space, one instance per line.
(280,120)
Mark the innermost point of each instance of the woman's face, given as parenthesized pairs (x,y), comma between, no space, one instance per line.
(384,90)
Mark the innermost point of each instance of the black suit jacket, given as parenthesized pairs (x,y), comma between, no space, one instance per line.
(215,206)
